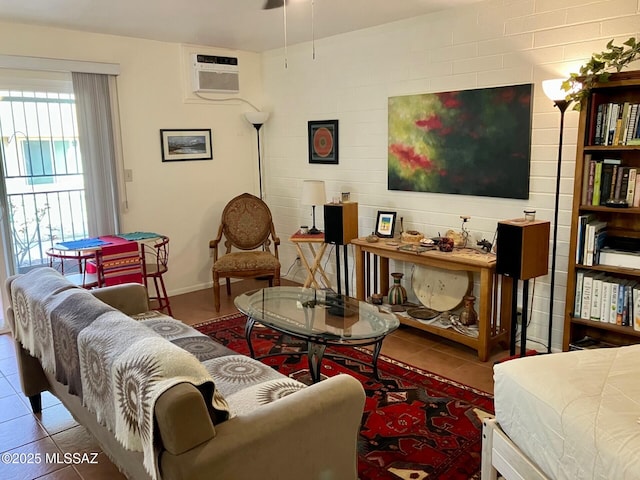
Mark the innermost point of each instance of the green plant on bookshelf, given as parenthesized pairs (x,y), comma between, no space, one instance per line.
(598,69)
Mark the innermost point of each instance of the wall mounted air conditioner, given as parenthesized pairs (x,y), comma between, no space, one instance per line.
(212,73)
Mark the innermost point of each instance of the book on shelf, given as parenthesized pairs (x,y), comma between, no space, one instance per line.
(605,303)
(620,303)
(631,123)
(627,303)
(636,194)
(631,186)
(636,307)
(580,233)
(602,180)
(623,126)
(577,301)
(614,176)
(587,285)
(612,120)
(585,178)
(619,258)
(593,228)
(598,244)
(602,298)
(605,124)
(621,192)
(625,306)
(613,305)
(588,343)
(596,138)
(630,312)
(591,178)
(618,127)
(605,181)
(596,300)
(616,124)
(597,181)
(635,139)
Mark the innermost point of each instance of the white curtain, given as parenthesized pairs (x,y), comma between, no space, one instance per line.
(96,99)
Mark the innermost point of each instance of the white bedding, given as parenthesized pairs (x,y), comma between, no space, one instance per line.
(574,414)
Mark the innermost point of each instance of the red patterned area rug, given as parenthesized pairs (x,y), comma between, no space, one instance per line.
(416,424)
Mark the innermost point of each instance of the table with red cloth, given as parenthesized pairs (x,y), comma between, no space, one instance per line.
(118,256)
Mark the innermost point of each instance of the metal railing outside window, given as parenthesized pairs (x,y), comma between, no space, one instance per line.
(43,173)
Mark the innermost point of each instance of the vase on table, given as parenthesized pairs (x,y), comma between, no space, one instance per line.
(397,293)
(468,316)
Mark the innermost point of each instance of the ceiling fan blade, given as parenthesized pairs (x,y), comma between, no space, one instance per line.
(269,4)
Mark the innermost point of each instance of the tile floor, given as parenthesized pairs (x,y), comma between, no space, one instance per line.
(55,431)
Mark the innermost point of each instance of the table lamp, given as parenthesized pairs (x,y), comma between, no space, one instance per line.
(313,193)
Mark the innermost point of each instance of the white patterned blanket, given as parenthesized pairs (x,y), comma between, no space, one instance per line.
(116,365)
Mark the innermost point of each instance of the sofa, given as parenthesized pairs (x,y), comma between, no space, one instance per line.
(208,418)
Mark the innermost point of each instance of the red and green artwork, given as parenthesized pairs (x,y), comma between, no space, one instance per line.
(470,142)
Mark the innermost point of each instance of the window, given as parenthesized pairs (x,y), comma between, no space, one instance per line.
(43,172)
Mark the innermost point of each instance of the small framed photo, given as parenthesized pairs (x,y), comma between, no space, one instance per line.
(385,224)
(182,144)
(323,141)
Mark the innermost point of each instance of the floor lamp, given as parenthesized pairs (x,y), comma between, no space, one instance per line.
(257,119)
(553,90)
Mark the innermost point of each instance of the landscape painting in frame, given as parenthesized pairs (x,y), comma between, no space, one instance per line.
(470,142)
(183,144)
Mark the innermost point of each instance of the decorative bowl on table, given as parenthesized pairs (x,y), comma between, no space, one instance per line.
(411,236)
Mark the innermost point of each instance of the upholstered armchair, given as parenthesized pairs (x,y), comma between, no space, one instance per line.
(248,228)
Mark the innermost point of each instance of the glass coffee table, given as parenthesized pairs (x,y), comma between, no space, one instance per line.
(318,317)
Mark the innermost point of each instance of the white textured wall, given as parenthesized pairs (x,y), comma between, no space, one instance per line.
(493,43)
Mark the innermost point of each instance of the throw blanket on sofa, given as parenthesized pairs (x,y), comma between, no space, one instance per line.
(115,364)
(32,329)
(132,367)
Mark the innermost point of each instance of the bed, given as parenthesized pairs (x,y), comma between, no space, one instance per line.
(572,415)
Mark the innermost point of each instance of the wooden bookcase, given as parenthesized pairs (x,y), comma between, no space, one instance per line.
(621,222)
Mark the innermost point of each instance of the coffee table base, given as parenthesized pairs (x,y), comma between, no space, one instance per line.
(316,349)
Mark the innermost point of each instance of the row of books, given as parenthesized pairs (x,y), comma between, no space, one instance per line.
(606,299)
(606,179)
(595,247)
(591,237)
(617,124)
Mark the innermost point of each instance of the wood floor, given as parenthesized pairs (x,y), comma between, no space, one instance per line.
(55,430)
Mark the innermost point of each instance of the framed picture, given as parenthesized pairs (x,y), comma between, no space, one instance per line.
(385,224)
(466,142)
(323,141)
(183,144)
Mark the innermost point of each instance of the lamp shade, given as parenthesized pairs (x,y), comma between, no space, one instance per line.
(553,89)
(313,192)
(256,118)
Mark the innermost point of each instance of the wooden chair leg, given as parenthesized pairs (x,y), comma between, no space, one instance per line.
(164,302)
(228,286)
(216,291)
(276,278)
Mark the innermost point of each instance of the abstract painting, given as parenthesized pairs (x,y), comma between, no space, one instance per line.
(470,142)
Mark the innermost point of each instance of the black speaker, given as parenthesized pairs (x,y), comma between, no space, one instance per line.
(340,222)
(522,250)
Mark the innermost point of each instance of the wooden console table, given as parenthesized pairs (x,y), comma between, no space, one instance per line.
(492,327)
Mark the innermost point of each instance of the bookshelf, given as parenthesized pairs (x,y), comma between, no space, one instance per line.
(621,147)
